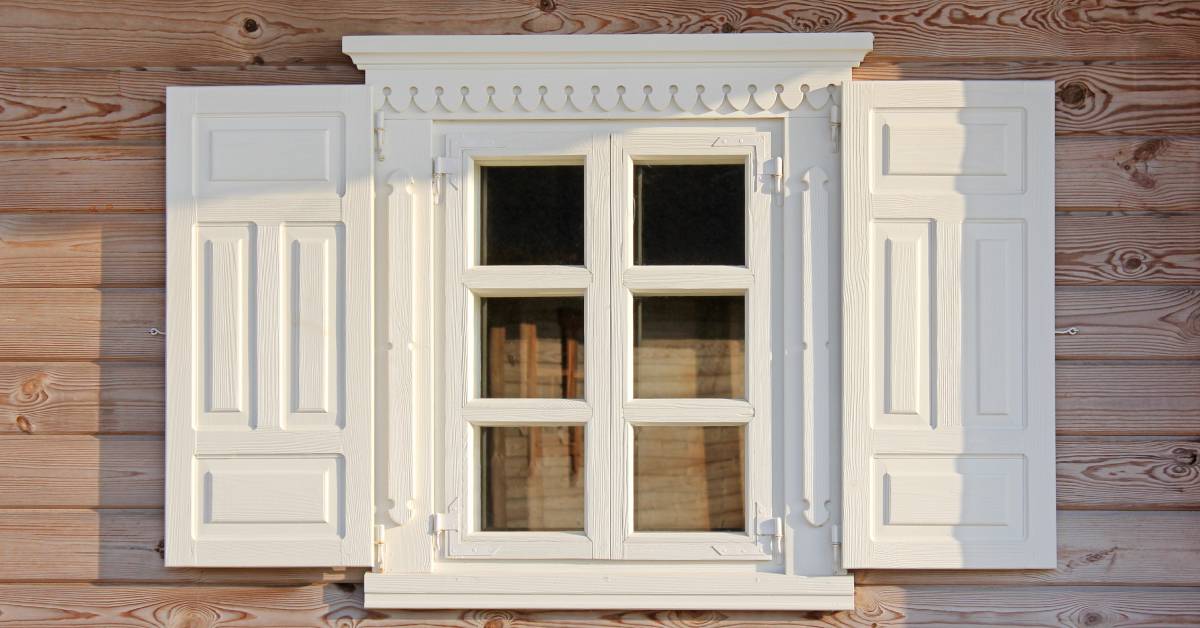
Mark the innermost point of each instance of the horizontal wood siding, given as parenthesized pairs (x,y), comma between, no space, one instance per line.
(82,280)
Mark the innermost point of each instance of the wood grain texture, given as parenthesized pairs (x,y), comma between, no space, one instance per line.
(1143,173)
(1128,398)
(1098,249)
(81,472)
(81,398)
(1105,98)
(1154,174)
(124,545)
(92,177)
(1118,322)
(129,33)
(72,104)
(69,324)
(1128,474)
(127,472)
(340,605)
(82,250)
(126,104)
(1094,547)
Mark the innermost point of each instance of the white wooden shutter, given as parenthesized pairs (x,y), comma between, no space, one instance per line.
(948,314)
(269,393)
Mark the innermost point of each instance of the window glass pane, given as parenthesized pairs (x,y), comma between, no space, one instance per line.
(688,478)
(531,215)
(689,214)
(532,478)
(532,347)
(689,347)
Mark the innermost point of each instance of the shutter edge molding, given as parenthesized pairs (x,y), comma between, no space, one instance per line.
(948,314)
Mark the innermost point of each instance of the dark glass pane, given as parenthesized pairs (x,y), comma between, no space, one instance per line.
(531,215)
(689,347)
(532,347)
(532,478)
(694,214)
(688,479)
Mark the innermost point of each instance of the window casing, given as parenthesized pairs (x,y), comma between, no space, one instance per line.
(613,289)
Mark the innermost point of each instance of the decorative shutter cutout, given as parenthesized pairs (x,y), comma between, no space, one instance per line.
(948,324)
(269,393)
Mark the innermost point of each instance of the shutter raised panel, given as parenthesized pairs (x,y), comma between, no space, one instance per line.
(269,385)
(948,324)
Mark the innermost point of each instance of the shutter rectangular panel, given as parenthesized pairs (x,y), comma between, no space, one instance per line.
(948,321)
(269,384)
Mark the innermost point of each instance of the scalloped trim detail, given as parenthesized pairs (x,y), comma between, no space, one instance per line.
(605,97)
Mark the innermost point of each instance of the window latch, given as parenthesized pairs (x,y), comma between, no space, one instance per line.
(835,125)
(771,530)
(380,534)
(440,524)
(380,134)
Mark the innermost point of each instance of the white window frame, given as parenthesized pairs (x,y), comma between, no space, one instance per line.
(423,81)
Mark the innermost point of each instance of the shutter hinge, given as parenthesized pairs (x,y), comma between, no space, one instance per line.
(773,167)
(835,125)
(835,532)
(440,523)
(772,529)
(443,169)
(379,535)
(380,133)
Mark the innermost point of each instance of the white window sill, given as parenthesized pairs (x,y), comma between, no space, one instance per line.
(758,591)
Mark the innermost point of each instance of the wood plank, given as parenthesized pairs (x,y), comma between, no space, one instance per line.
(1128,398)
(1099,249)
(60,249)
(1142,173)
(1094,547)
(81,398)
(1105,98)
(341,605)
(127,472)
(1128,173)
(62,545)
(93,177)
(81,472)
(128,103)
(1128,474)
(130,33)
(49,324)
(1118,322)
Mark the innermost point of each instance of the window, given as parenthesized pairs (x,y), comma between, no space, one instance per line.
(656,322)
(608,372)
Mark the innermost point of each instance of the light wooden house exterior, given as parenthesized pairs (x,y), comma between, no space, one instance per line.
(306,355)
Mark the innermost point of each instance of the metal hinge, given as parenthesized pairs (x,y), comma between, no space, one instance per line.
(835,532)
(772,529)
(443,169)
(835,125)
(773,167)
(440,523)
(380,134)
(379,536)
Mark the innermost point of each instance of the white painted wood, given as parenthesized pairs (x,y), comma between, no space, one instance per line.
(465,282)
(695,145)
(948,321)
(576,590)
(607,76)
(269,355)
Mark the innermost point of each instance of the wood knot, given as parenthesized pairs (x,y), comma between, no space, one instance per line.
(161,548)
(1091,618)
(250,25)
(547,5)
(1074,94)
(1184,456)
(23,424)
(727,28)
(1136,164)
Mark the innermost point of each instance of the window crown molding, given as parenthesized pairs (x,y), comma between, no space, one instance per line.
(686,74)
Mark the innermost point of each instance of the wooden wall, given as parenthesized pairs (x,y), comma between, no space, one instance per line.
(81,280)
